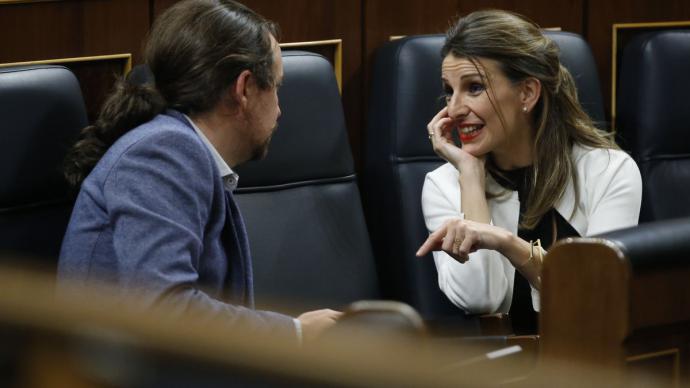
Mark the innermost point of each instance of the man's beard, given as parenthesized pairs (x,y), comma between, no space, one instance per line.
(261,150)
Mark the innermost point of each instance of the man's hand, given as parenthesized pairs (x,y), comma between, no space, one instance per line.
(315,322)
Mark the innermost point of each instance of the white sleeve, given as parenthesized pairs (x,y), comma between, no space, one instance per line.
(614,195)
(480,284)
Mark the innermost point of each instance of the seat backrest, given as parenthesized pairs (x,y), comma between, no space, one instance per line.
(42,112)
(653,117)
(301,204)
(405,94)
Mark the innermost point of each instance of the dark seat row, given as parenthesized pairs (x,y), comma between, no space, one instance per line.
(310,243)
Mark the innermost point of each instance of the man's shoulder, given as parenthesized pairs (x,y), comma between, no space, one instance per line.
(163,135)
(159,128)
(160,141)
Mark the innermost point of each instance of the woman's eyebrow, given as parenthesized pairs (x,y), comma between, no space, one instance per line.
(470,75)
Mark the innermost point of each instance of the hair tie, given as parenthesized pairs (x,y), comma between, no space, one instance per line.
(141,75)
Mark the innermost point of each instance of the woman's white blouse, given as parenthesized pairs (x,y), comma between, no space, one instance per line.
(610,193)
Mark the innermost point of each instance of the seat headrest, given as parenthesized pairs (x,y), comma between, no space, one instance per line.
(655,243)
(311,142)
(653,113)
(577,57)
(406,94)
(42,112)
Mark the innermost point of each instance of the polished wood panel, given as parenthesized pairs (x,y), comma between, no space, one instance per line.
(600,17)
(79,339)
(599,307)
(414,17)
(584,304)
(36,31)
(566,15)
(661,368)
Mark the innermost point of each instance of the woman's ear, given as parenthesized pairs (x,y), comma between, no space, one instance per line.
(530,93)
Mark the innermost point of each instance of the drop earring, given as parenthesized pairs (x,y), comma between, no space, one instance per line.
(524,108)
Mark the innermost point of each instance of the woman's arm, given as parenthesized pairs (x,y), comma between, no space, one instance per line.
(472,174)
(478,285)
(459,238)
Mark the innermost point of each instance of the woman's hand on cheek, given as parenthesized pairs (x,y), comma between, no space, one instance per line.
(440,130)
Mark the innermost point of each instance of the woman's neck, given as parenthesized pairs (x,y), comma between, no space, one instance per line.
(517,151)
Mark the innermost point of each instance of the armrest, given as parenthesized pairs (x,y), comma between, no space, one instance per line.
(382,317)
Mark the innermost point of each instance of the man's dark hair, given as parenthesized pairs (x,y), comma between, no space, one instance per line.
(195,51)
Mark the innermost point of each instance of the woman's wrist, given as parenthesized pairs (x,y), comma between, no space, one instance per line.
(526,257)
(472,168)
(472,179)
(516,250)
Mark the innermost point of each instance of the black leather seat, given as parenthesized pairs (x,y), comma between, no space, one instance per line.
(301,204)
(405,95)
(653,117)
(654,244)
(42,112)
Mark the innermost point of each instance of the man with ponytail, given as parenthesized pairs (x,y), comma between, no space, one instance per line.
(155,216)
(532,167)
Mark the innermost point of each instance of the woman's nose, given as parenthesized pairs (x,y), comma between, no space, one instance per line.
(457,108)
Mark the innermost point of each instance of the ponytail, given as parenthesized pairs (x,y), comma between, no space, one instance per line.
(193,64)
(128,106)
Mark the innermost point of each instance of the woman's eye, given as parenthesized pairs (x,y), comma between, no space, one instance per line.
(447,93)
(476,88)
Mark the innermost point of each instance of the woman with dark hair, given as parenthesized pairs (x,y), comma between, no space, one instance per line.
(155,212)
(532,168)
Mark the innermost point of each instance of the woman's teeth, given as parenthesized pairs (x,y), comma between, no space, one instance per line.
(470,128)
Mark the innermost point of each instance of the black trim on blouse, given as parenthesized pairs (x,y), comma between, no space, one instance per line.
(523,317)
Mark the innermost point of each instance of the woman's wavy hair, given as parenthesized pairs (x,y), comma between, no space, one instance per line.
(522,51)
(195,51)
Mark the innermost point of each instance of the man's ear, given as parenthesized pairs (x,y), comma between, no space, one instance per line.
(530,93)
(241,88)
